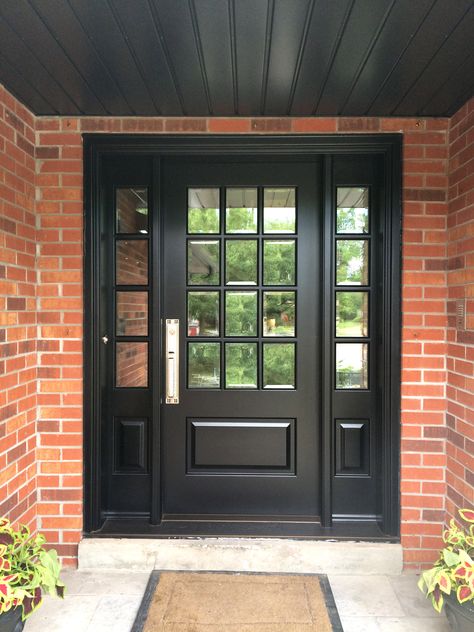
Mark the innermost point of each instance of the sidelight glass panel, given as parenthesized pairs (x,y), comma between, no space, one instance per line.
(241,210)
(352,262)
(131,210)
(241,313)
(203,313)
(279,365)
(203,262)
(204,365)
(352,314)
(279,262)
(279,212)
(241,365)
(352,365)
(352,210)
(131,262)
(241,262)
(203,211)
(132,314)
(131,365)
(279,313)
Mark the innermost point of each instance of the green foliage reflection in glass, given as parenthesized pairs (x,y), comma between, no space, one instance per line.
(203,313)
(203,211)
(352,210)
(279,365)
(241,262)
(203,262)
(279,262)
(279,212)
(278,313)
(241,210)
(352,262)
(204,365)
(241,365)
(352,314)
(241,313)
(351,365)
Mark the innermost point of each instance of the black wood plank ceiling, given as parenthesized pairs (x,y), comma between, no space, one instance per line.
(238,57)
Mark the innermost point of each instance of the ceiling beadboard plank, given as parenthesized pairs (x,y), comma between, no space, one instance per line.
(175,21)
(140,29)
(215,40)
(287,34)
(112,48)
(437,25)
(454,92)
(23,89)
(60,19)
(326,22)
(403,21)
(363,24)
(250,28)
(437,71)
(16,51)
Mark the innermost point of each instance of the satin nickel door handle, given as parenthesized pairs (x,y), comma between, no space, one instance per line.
(172,360)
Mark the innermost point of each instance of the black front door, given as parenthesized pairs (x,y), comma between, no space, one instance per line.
(242,337)
(241,275)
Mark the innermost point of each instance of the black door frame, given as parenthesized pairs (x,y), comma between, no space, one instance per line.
(388,147)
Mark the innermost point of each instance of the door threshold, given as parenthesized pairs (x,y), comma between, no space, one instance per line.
(297,527)
(242,554)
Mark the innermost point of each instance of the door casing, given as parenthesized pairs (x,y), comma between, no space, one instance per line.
(388,148)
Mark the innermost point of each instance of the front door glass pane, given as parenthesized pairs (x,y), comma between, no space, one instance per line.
(352,365)
(131,263)
(203,313)
(204,365)
(352,314)
(132,314)
(279,211)
(352,262)
(131,365)
(279,262)
(352,213)
(241,210)
(241,262)
(240,313)
(203,211)
(279,365)
(241,365)
(131,210)
(203,262)
(279,313)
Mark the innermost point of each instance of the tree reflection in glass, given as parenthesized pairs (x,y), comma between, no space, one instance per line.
(279,365)
(352,210)
(204,365)
(203,262)
(279,313)
(203,211)
(241,365)
(241,210)
(203,313)
(241,313)
(352,314)
(241,262)
(279,265)
(352,262)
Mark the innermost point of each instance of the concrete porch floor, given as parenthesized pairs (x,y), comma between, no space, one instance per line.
(107,601)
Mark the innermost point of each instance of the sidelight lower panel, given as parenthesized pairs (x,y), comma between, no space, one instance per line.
(228,446)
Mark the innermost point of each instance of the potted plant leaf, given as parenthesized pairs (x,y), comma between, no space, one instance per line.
(450,581)
(26,570)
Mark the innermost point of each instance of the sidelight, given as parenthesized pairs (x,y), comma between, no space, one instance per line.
(352,314)
(352,365)
(131,365)
(352,213)
(132,313)
(131,210)
(352,261)
(131,262)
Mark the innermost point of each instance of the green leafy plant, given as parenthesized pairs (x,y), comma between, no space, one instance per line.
(453,572)
(26,569)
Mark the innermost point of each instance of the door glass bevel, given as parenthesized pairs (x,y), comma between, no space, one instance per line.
(352,314)
(131,310)
(279,365)
(352,262)
(352,211)
(279,210)
(241,313)
(279,313)
(131,261)
(203,211)
(241,261)
(131,210)
(131,364)
(352,364)
(204,365)
(241,365)
(241,213)
(203,313)
(203,261)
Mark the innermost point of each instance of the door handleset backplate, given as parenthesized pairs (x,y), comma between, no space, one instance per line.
(172,361)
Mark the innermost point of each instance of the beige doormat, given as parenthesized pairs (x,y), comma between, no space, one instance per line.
(225,602)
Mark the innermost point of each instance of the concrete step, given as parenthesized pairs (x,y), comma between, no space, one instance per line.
(260,555)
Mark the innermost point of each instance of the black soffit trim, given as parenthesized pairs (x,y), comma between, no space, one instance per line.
(238,58)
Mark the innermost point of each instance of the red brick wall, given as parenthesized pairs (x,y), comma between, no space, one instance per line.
(59,220)
(460,352)
(18,370)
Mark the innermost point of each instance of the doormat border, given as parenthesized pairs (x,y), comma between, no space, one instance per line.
(154,579)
